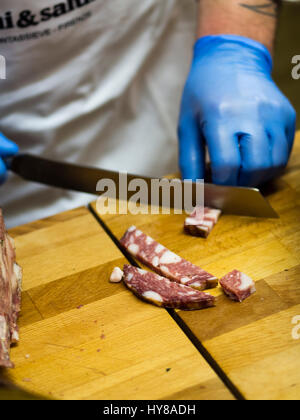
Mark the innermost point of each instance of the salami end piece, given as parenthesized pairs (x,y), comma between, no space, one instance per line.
(10,295)
(163,292)
(201,221)
(237,285)
(164,262)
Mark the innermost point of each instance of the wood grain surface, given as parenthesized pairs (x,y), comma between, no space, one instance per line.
(82,337)
(252,342)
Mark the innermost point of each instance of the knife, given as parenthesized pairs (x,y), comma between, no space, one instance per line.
(231,200)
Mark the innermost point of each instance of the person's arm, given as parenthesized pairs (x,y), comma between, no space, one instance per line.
(255,19)
(230,102)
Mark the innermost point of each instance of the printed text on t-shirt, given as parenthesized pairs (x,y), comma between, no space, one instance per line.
(27,18)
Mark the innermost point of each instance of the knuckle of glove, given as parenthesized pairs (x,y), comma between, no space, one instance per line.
(256,172)
(225,172)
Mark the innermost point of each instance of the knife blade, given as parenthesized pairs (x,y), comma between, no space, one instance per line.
(241,201)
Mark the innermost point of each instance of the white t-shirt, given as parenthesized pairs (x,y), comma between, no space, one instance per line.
(95,82)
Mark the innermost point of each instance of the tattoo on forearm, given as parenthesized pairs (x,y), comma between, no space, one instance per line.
(269,8)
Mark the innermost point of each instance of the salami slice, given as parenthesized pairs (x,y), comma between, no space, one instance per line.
(237,286)
(165,262)
(201,221)
(163,292)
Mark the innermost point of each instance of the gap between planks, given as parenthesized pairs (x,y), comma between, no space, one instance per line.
(181,324)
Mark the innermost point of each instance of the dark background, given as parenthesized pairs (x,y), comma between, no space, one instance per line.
(288,45)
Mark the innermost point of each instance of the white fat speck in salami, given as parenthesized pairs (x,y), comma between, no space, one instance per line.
(133,249)
(166,262)
(159,248)
(130,277)
(3,328)
(246,282)
(237,285)
(116,275)
(191,221)
(15,337)
(138,233)
(150,295)
(155,261)
(142,271)
(163,292)
(208,223)
(169,258)
(132,229)
(214,214)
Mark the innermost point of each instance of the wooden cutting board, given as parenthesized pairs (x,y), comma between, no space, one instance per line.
(252,342)
(82,337)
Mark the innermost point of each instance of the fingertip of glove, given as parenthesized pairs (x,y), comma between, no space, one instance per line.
(7,147)
(12,149)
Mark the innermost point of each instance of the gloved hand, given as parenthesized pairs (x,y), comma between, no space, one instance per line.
(231,104)
(7,148)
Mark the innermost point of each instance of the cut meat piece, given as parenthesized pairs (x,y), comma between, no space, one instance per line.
(237,285)
(165,262)
(163,292)
(10,295)
(201,221)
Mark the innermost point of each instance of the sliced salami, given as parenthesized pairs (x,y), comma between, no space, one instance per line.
(201,221)
(165,262)
(163,292)
(237,286)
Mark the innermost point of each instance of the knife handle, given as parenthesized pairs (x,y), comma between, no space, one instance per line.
(8,161)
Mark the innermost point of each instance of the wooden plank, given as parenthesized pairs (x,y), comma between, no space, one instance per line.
(103,350)
(269,366)
(251,341)
(48,221)
(82,337)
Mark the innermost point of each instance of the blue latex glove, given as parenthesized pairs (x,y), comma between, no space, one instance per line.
(231,104)
(7,148)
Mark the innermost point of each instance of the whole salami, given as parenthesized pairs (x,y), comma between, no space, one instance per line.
(163,292)
(164,262)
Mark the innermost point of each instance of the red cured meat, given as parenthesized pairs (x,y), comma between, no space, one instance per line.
(237,285)
(163,292)
(201,221)
(10,295)
(165,262)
